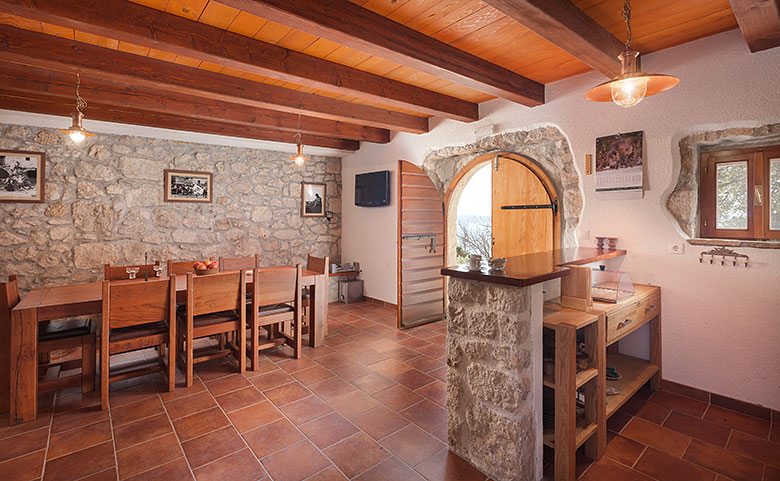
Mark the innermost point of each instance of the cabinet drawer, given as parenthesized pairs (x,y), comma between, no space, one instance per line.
(621,322)
(649,307)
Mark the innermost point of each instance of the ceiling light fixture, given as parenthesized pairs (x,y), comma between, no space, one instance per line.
(77,132)
(631,86)
(299,158)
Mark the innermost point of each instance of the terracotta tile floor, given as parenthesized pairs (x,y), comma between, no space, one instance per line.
(369,405)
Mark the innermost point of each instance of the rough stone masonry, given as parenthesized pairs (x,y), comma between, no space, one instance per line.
(489,382)
(104,204)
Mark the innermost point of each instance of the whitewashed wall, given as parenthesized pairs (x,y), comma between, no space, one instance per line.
(721,329)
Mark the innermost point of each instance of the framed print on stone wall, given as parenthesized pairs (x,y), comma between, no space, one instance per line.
(312,199)
(22,176)
(188,186)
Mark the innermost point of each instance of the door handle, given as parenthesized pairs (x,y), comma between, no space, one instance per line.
(623,324)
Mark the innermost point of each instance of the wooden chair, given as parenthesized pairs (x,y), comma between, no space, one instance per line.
(57,335)
(137,315)
(276,299)
(180,267)
(215,306)
(319,265)
(118,273)
(237,263)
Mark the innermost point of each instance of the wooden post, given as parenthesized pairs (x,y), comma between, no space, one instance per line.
(24,363)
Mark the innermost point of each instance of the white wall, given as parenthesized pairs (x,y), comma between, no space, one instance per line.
(721,326)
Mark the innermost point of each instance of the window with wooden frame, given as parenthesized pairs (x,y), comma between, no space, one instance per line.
(740,194)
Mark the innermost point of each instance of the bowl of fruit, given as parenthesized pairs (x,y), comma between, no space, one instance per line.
(209,266)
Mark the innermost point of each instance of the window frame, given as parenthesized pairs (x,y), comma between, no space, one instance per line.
(758,177)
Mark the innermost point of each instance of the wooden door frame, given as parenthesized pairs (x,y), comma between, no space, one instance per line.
(479,162)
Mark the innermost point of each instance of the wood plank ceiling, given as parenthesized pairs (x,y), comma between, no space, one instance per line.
(206,66)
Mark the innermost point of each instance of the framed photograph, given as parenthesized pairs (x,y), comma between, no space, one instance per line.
(312,199)
(188,186)
(22,176)
(619,160)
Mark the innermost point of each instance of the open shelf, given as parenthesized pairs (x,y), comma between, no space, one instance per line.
(581,379)
(583,432)
(636,372)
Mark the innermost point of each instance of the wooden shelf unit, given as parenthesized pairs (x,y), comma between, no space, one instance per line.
(576,426)
(606,324)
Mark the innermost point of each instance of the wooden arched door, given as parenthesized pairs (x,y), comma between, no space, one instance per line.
(524,208)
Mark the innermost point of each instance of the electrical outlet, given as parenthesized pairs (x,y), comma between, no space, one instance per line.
(675,248)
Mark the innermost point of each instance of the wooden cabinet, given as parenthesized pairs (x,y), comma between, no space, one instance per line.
(603,325)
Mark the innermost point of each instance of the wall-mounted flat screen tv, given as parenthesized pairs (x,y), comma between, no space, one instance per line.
(372,189)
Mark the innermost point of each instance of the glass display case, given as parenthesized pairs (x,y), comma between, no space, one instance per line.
(610,286)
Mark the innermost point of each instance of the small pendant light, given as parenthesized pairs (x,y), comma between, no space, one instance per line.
(631,86)
(77,132)
(299,158)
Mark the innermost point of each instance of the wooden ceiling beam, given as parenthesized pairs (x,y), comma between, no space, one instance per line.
(759,21)
(130,22)
(27,79)
(45,104)
(569,28)
(351,25)
(31,48)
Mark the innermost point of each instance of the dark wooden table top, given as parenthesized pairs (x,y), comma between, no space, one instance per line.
(530,269)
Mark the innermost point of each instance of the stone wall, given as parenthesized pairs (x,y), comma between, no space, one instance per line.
(489,383)
(104,204)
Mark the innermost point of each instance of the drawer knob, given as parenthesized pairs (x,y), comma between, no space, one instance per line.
(623,324)
(650,308)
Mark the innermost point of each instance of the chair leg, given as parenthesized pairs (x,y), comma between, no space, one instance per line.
(87,363)
(104,367)
(298,334)
(255,345)
(171,367)
(190,355)
(241,334)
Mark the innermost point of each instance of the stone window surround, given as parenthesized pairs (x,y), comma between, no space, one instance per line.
(683,202)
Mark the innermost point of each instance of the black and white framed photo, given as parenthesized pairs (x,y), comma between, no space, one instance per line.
(188,186)
(312,199)
(22,176)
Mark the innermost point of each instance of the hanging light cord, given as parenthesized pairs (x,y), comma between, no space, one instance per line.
(627,18)
(80,102)
(298,135)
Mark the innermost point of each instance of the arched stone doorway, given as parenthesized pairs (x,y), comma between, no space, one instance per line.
(462,178)
(546,148)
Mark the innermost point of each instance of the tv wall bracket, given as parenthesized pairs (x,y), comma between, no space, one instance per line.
(431,249)
(553,206)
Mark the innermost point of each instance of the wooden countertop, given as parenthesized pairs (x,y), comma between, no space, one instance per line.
(530,269)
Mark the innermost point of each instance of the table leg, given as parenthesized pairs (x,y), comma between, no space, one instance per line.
(318,308)
(24,356)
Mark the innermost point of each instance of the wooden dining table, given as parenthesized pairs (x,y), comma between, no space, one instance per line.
(58,302)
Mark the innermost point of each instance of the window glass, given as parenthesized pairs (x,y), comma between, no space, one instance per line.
(731,209)
(774,194)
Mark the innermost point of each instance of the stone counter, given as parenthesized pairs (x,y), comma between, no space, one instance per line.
(494,383)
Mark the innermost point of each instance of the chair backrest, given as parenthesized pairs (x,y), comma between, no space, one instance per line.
(9,297)
(318,264)
(118,273)
(237,263)
(279,285)
(134,303)
(180,267)
(224,291)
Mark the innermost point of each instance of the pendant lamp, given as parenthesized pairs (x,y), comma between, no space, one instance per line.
(299,158)
(631,86)
(76,131)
